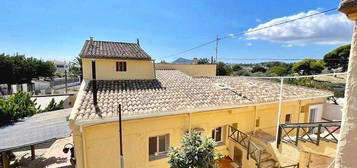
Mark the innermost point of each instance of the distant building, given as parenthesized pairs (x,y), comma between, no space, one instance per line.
(61,66)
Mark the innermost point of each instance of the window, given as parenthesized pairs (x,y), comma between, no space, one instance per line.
(121,66)
(217,134)
(158,146)
(257,122)
(287,118)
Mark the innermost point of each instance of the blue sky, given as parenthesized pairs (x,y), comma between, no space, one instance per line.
(56,29)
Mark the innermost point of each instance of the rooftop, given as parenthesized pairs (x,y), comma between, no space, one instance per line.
(174,92)
(113,50)
(37,129)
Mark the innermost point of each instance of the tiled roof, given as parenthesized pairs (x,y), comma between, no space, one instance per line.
(115,50)
(175,91)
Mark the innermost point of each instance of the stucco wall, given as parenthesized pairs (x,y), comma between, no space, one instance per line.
(101,141)
(106,69)
(196,70)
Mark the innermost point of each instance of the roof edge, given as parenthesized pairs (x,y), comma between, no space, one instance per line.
(79,98)
(111,119)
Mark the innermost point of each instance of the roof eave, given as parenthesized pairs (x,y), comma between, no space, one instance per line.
(195,110)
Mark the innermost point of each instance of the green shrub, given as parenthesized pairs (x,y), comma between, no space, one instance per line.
(17,106)
(196,151)
(52,106)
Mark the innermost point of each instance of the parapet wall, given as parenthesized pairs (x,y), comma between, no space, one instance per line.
(195,70)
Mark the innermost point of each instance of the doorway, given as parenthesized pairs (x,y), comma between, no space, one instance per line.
(315,115)
(237,156)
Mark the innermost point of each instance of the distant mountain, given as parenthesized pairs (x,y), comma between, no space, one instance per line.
(182,61)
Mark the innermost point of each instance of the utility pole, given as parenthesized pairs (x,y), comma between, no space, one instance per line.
(347,144)
(217,39)
(66,80)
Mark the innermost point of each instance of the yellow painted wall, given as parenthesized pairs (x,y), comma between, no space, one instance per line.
(106,69)
(101,147)
(196,70)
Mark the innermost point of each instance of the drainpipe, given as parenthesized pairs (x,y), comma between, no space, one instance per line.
(94,83)
(347,144)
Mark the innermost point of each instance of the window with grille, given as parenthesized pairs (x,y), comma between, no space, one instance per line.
(158,146)
(121,66)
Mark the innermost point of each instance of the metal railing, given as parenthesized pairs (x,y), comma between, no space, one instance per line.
(244,140)
(308,132)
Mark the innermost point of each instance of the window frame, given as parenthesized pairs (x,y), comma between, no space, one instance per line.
(221,142)
(121,66)
(159,155)
(286,117)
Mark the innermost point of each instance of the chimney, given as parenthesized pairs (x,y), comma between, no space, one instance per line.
(94,83)
(137,41)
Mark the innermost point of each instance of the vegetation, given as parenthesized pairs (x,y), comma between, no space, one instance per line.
(279,70)
(308,67)
(311,83)
(203,61)
(75,67)
(18,69)
(236,67)
(17,106)
(223,69)
(338,58)
(258,68)
(196,151)
(52,106)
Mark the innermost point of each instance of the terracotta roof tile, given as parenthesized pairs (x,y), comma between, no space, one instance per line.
(115,50)
(175,91)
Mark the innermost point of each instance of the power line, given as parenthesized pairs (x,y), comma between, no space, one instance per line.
(246,32)
(278,59)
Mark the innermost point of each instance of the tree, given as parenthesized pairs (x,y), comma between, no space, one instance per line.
(223,69)
(17,106)
(258,68)
(338,58)
(236,67)
(18,69)
(279,70)
(52,106)
(76,67)
(203,61)
(196,151)
(308,67)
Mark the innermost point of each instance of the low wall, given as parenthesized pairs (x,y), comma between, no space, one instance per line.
(195,70)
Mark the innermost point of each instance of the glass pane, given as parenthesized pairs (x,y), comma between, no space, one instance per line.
(162,144)
(213,133)
(218,134)
(152,145)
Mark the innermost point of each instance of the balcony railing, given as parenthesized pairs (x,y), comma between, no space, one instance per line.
(253,150)
(308,132)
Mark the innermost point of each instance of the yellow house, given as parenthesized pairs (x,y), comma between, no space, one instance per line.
(159,106)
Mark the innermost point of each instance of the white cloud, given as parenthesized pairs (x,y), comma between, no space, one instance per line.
(249,44)
(319,29)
